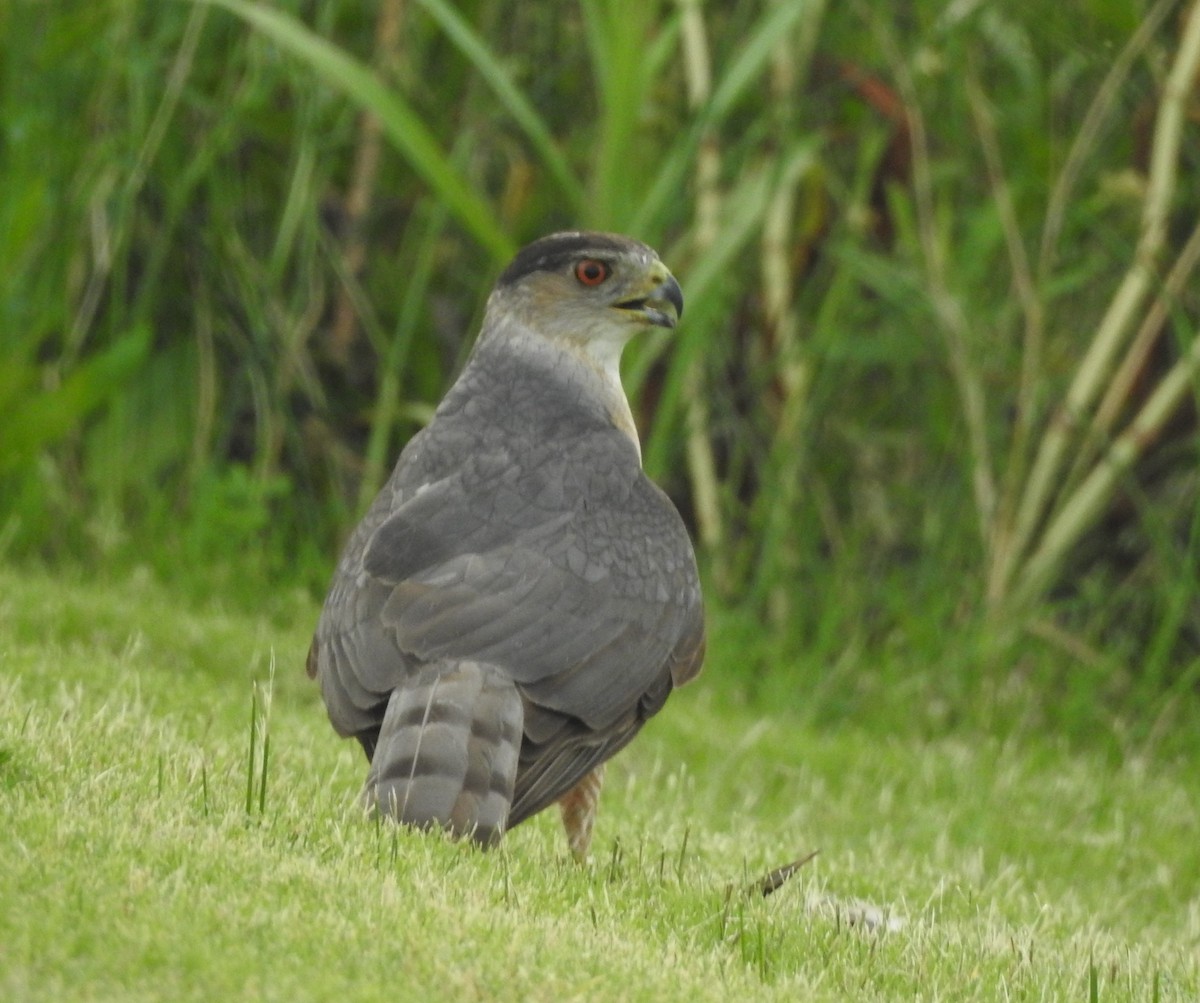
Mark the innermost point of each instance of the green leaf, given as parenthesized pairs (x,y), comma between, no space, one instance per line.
(741,73)
(475,49)
(400,121)
(44,417)
(618,37)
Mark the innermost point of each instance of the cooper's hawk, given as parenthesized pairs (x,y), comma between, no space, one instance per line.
(520,597)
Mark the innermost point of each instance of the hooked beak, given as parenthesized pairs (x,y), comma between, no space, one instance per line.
(662,306)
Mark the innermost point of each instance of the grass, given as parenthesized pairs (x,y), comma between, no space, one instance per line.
(154,851)
(234,294)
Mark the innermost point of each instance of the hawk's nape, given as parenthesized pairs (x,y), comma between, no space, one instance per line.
(520,598)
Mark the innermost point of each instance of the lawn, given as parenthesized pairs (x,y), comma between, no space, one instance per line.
(149,852)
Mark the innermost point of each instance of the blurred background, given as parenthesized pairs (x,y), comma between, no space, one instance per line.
(931,413)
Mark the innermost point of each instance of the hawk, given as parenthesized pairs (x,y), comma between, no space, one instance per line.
(520,598)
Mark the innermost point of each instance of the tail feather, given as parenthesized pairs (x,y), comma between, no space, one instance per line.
(448,750)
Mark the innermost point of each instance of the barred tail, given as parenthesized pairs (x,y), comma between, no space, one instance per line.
(447,751)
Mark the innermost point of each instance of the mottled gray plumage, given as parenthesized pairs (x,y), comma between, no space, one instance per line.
(520,597)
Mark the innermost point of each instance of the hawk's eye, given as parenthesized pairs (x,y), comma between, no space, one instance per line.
(591,272)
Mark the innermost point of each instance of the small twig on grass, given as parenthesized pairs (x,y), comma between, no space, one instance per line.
(776,879)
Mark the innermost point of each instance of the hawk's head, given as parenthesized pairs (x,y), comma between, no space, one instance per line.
(590,291)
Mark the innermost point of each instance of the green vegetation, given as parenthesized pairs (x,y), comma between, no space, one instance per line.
(137,868)
(931,415)
(939,269)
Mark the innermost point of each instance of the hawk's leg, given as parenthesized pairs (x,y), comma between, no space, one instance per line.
(578,808)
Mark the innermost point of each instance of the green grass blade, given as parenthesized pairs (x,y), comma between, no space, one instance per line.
(617,36)
(264,765)
(753,56)
(403,125)
(37,418)
(250,752)
(738,77)
(492,71)
(1087,892)
(423,234)
(744,219)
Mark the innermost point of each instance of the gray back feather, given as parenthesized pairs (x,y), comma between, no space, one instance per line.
(517,535)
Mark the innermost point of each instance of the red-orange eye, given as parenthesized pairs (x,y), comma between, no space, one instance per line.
(591,272)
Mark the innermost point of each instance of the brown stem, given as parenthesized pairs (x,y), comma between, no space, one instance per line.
(362,188)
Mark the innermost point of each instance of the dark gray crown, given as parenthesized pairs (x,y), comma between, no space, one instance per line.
(551,253)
